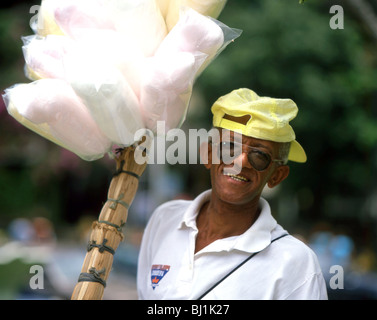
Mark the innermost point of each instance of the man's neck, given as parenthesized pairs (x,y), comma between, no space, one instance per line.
(218,220)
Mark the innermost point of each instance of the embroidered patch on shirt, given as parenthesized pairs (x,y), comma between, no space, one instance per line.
(157,273)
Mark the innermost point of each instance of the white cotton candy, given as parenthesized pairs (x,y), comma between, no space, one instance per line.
(168,78)
(52,107)
(166,88)
(193,33)
(210,8)
(109,48)
(141,21)
(109,98)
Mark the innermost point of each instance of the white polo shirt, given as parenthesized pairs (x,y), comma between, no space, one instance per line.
(169,269)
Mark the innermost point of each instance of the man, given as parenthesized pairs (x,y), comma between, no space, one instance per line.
(225,244)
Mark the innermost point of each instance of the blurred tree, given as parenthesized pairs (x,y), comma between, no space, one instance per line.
(365,11)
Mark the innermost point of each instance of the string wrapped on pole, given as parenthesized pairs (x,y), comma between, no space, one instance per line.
(107,233)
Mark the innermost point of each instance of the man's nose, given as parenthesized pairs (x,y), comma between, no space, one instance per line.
(242,161)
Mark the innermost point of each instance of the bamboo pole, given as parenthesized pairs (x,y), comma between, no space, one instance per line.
(107,233)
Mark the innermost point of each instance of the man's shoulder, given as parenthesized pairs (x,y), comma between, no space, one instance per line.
(295,250)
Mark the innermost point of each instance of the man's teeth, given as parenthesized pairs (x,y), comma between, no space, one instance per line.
(236,177)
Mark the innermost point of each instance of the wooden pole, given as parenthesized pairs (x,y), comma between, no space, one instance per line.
(107,231)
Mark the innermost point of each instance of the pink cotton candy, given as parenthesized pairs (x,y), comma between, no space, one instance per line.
(45,55)
(193,33)
(166,88)
(168,77)
(76,16)
(52,102)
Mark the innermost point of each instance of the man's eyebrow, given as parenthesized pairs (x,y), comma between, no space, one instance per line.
(259,145)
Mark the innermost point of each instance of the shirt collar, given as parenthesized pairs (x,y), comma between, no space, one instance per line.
(189,217)
(255,239)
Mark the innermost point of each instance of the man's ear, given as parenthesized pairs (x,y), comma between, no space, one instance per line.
(205,150)
(280,173)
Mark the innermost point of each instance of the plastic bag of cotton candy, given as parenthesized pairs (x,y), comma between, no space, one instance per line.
(103,69)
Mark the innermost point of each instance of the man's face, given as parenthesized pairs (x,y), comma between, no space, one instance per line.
(239,182)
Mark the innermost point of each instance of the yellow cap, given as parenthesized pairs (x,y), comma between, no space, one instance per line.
(269,118)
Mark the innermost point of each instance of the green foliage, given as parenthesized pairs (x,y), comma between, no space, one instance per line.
(14,23)
(14,277)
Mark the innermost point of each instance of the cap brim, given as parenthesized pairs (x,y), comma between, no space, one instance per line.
(297,153)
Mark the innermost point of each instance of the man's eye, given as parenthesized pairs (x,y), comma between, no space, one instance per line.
(228,144)
(260,156)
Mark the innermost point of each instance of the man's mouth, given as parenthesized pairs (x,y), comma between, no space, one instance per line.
(236,177)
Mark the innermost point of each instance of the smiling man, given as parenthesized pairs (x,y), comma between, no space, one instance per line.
(225,244)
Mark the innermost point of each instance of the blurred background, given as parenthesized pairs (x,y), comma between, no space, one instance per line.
(49,197)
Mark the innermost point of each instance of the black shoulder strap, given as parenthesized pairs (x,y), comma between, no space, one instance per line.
(240,265)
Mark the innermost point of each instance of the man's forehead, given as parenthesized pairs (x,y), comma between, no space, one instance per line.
(226,134)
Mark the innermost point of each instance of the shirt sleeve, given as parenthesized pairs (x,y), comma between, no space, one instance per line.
(313,288)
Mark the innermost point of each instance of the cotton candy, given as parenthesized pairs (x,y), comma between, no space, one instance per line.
(53,105)
(44,56)
(168,78)
(109,98)
(166,88)
(193,33)
(104,69)
(139,20)
(75,16)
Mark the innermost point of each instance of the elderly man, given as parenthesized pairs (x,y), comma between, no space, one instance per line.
(225,244)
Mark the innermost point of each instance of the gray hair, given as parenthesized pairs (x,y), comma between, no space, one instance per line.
(284,148)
